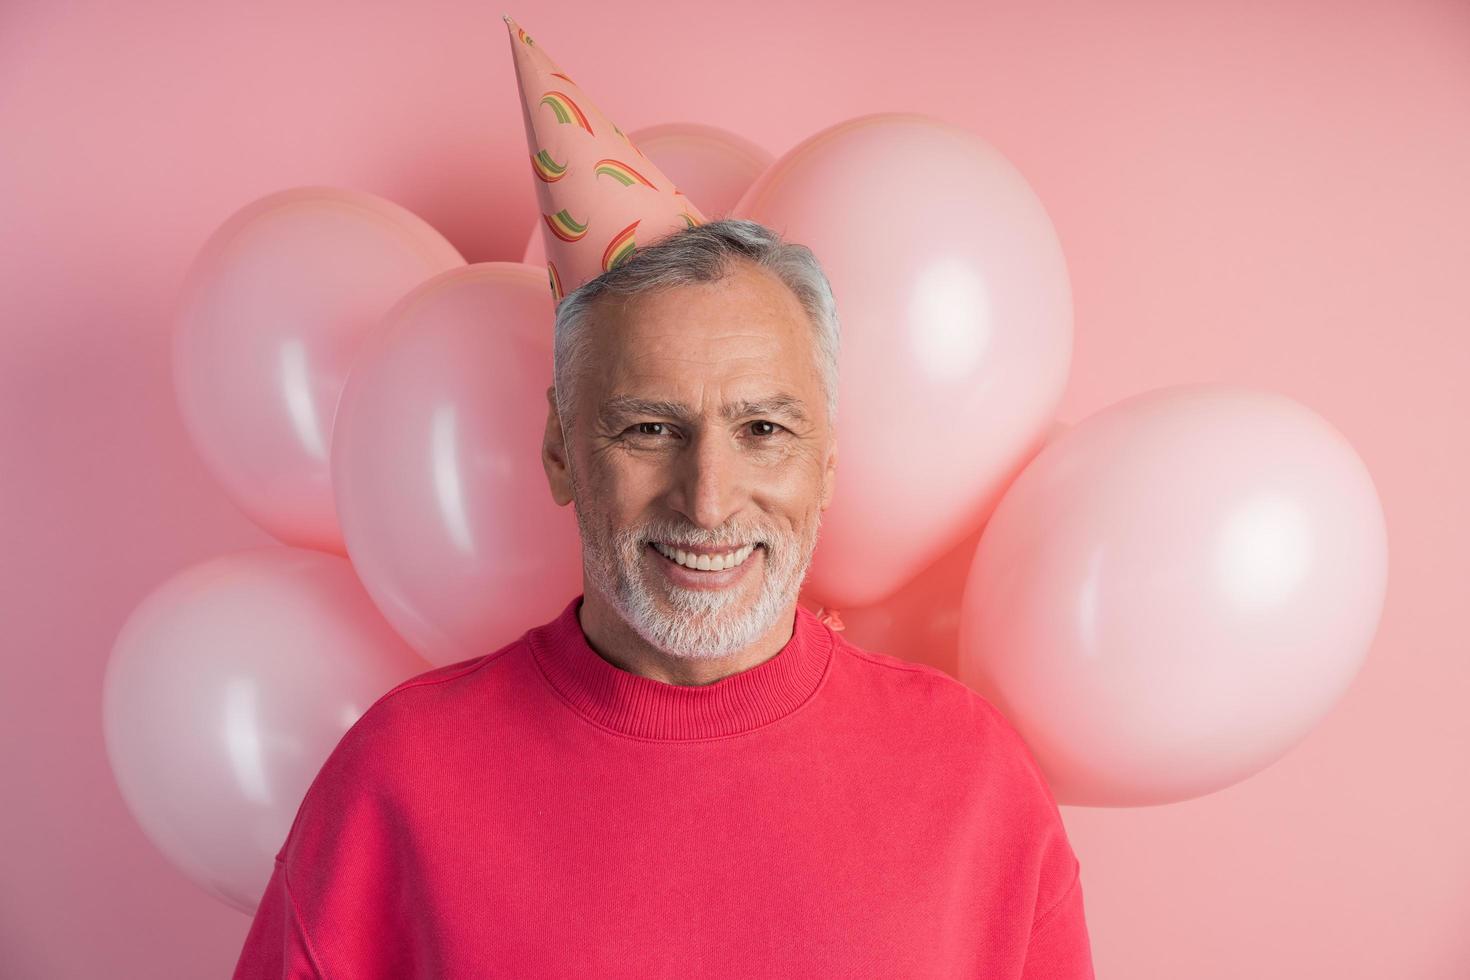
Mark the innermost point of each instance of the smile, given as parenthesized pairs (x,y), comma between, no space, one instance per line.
(704,563)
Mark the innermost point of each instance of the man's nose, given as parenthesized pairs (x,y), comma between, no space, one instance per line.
(711,483)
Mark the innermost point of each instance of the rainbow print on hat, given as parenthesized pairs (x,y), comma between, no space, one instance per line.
(600,197)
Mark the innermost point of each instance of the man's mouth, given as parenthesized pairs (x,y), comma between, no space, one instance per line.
(706,562)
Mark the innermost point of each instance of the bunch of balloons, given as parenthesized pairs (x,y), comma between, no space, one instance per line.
(1162,598)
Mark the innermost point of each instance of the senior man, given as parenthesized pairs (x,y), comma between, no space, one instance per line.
(686,773)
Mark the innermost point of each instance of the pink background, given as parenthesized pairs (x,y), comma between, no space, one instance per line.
(1271,193)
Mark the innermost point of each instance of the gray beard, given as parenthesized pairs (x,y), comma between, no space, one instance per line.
(691,623)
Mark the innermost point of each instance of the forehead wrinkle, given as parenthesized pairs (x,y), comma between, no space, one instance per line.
(674,346)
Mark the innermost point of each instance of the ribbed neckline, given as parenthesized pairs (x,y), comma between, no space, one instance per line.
(646,708)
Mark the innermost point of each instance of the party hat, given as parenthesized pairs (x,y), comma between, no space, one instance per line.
(600,196)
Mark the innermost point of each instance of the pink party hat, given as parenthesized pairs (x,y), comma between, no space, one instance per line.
(600,196)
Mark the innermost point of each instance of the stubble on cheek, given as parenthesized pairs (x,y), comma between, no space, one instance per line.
(609,557)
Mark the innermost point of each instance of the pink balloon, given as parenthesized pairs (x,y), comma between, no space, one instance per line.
(436,463)
(269,319)
(712,166)
(956,333)
(921,621)
(1175,591)
(227,689)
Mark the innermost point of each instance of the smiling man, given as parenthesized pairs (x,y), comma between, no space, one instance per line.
(700,451)
(686,773)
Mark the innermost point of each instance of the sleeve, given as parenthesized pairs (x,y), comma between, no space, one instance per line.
(335,903)
(276,946)
(1059,948)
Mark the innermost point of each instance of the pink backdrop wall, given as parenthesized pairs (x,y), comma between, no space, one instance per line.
(1266,193)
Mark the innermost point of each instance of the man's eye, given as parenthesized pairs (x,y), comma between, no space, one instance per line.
(760,428)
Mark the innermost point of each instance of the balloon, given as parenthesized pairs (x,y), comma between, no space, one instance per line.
(1175,591)
(921,621)
(226,690)
(957,334)
(712,166)
(271,314)
(445,509)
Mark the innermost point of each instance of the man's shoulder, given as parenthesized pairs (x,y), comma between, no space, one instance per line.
(448,678)
(436,700)
(890,662)
(935,699)
(396,733)
(464,683)
(930,687)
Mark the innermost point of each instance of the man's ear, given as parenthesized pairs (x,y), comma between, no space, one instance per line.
(829,475)
(554,453)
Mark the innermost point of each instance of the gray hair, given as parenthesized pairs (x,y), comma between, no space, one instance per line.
(703,253)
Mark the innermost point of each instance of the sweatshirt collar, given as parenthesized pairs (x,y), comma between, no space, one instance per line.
(646,708)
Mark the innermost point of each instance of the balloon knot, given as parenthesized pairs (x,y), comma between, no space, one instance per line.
(832,618)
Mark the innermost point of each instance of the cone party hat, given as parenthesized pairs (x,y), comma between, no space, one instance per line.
(600,197)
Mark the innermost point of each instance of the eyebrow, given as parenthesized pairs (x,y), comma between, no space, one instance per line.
(624,406)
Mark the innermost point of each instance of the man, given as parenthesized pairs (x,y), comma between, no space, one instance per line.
(686,774)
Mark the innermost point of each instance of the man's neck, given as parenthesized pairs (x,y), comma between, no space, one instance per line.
(610,636)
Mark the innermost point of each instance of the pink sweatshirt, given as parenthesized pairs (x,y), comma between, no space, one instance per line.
(538,812)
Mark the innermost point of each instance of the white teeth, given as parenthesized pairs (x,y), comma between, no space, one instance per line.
(705,563)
